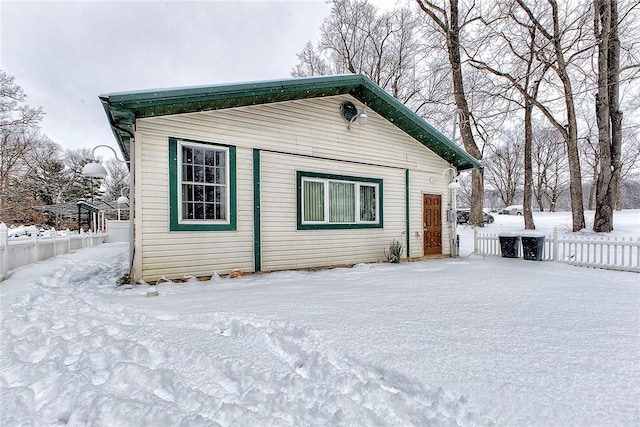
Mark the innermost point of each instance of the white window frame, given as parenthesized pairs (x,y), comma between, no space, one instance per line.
(227,186)
(357,184)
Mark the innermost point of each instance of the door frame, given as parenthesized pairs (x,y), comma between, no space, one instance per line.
(422,216)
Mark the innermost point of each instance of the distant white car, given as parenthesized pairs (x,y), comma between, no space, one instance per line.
(512,210)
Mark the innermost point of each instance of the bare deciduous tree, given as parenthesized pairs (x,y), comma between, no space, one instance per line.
(18,125)
(563,44)
(80,187)
(356,38)
(310,63)
(549,167)
(13,112)
(540,50)
(629,160)
(589,156)
(116,180)
(515,61)
(504,168)
(46,176)
(450,23)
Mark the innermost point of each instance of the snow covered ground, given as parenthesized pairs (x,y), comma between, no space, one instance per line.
(467,341)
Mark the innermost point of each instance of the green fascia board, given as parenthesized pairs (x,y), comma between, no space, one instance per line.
(124,108)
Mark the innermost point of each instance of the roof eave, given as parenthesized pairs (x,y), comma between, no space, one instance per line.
(123,109)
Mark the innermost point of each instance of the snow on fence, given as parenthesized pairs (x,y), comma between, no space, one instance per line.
(18,251)
(584,251)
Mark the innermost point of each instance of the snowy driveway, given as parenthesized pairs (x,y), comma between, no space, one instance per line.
(446,342)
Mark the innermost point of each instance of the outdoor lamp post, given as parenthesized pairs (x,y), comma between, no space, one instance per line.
(453,215)
(96,170)
(122,200)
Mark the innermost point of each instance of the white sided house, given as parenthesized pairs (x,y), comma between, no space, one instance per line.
(280,175)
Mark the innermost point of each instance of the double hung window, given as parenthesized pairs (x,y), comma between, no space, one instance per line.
(334,201)
(203,183)
(202,186)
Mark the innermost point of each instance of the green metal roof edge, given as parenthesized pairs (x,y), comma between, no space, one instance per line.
(123,108)
(138,99)
(117,131)
(414,125)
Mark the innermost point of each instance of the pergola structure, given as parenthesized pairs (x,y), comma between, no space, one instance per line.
(93,215)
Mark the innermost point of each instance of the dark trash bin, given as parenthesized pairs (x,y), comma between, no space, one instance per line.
(533,247)
(509,245)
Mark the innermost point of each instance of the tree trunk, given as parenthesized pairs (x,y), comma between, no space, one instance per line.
(571,135)
(569,130)
(608,116)
(528,169)
(477,176)
(575,174)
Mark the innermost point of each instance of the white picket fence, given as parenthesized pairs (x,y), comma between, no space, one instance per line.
(18,251)
(585,251)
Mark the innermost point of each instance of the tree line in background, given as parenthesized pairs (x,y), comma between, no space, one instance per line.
(35,172)
(537,89)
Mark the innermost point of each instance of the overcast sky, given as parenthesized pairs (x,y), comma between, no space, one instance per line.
(65,54)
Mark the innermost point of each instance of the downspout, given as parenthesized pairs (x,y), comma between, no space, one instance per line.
(132,198)
(454,217)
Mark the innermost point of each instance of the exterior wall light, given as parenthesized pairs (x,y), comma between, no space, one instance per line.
(454,185)
(351,113)
(361,117)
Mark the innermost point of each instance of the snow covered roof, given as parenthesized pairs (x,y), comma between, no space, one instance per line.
(124,108)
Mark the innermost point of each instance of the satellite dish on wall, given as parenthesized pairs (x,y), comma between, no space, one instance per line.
(348,110)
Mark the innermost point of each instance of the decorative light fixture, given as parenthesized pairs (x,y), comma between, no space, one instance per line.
(351,113)
(454,185)
(123,200)
(95,169)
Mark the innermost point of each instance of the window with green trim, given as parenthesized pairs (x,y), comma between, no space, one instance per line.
(202,186)
(337,201)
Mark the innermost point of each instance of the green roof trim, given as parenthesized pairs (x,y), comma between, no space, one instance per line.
(124,108)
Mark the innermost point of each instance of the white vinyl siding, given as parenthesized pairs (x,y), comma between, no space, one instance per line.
(161,252)
(308,135)
(284,245)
